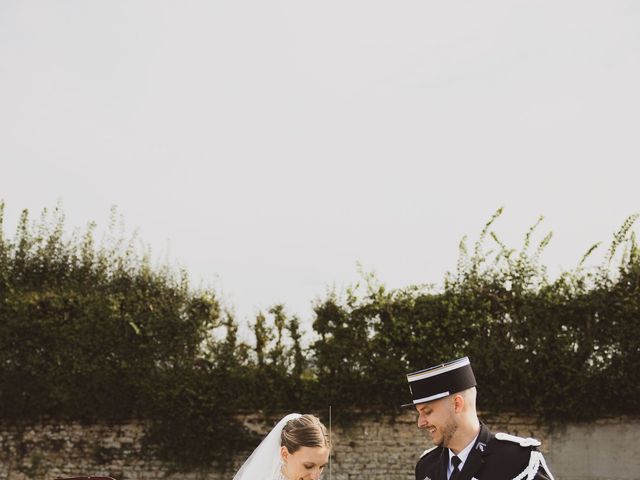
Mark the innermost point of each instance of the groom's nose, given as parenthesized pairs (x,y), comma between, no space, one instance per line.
(422,421)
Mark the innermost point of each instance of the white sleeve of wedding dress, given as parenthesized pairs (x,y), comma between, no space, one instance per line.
(264,462)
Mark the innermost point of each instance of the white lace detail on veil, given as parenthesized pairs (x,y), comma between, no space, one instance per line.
(264,462)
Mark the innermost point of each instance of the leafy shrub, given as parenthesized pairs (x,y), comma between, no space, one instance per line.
(95,332)
(567,348)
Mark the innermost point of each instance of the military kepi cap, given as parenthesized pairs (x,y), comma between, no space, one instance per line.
(441,380)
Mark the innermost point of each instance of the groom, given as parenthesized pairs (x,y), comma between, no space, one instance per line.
(445,398)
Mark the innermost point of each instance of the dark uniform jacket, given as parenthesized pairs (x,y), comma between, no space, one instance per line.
(493,457)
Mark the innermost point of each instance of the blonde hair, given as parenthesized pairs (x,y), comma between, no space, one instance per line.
(305,431)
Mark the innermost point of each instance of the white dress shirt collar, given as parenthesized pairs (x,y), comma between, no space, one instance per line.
(464,453)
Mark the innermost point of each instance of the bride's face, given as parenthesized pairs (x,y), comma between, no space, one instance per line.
(306,463)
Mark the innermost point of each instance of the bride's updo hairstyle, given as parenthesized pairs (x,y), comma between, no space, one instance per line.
(305,431)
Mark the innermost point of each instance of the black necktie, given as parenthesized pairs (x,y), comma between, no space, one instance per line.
(455,461)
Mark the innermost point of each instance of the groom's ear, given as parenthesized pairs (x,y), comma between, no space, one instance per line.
(458,403)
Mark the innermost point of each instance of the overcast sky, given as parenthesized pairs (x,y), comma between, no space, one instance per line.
(269,146)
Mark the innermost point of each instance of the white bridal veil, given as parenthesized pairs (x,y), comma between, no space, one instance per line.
(264,462)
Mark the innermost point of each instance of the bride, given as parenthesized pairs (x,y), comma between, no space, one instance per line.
(296,449)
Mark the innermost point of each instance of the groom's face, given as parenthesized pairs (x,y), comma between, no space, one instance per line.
(437,418)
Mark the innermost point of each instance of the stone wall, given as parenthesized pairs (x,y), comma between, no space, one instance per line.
(372,449)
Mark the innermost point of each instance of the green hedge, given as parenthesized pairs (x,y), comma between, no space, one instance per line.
(565,349)
(95,332)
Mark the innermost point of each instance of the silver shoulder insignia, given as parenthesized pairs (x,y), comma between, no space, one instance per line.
(427,451)
(523,442)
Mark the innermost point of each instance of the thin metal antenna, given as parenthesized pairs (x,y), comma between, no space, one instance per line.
(330,444)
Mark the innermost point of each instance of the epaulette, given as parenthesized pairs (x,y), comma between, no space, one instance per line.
(428,450)
(536,461)
(523,442)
